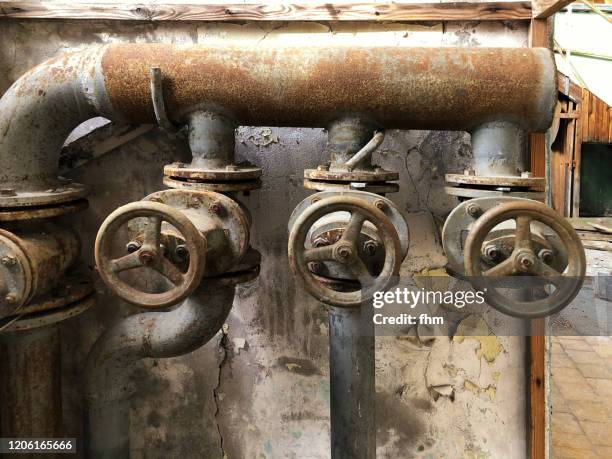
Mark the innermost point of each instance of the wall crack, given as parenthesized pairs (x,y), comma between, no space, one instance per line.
(224,349)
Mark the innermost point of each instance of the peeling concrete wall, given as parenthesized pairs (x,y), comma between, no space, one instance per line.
(260,389)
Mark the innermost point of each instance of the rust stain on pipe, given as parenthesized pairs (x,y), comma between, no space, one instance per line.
(416,88)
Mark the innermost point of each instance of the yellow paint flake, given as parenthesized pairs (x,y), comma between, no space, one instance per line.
(474,327)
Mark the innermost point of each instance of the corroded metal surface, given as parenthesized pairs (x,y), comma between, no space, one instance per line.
(32,260)
(416,88)
(221,221)
(536,183)
(150,254)
(335,175)
(226,173)
(30,384)
(461,219)
(371,187)
(524,261)
(344,251)
(218,186)
(44,319)
(32,213)
(465,192)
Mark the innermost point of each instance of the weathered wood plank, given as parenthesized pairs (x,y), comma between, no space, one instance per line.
(539,35)
(546,8)
(460,11)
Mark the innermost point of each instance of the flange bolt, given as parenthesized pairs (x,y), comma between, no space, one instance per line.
(473,210)
(380,204)
(370,248)
(216,207)
(546,255)
(132,246)
(11,298)
(8,260)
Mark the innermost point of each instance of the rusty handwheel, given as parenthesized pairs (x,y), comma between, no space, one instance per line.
(344,251)
(150,254)
(523,261)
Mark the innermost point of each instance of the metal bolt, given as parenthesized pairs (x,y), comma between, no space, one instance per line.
(546,255)
(473,210)
(345,252)
(315,266)
(11,298)
(132,246)
(323,167)
(380,204)
(181,252)
(8,260)
(370,248)
(526,260)
(216,207)
(492,252)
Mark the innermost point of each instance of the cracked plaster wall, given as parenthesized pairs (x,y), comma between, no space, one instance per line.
(260,389)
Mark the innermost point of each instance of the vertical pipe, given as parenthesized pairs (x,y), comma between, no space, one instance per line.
(499,149)
(211,140)
(352,390)
(346,136)
(30,383)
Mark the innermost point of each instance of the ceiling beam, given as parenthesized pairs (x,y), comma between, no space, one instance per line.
(460,11)
(546,8)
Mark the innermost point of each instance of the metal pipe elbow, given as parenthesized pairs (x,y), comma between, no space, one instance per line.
(153,335)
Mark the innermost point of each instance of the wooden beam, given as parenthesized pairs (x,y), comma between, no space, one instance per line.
(460,11)
(539,36)
(546,8)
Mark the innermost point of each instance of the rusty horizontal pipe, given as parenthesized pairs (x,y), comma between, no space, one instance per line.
(394,87)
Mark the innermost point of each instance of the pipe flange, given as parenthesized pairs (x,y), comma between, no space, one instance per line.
(72,289)
(371,187)
(336,175)
(16,275)
(230,173)
(50,211)
(497,192)
(219,187)
(44,319)
(534,183)
(61,193)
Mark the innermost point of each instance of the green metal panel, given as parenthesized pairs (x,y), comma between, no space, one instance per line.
(596,180)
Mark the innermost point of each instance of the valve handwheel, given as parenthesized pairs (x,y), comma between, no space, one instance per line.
(524,261)
(150,254)
(344,251)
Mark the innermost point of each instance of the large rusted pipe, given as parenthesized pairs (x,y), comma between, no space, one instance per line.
(395,87)
(30,392)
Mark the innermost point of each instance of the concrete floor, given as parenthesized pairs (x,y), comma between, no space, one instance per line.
(582,397)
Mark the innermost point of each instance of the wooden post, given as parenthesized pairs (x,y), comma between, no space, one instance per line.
(539,36)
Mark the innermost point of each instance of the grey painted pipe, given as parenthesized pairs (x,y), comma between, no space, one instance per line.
(351,383)
(155,335)
(499,149)
(396,87)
